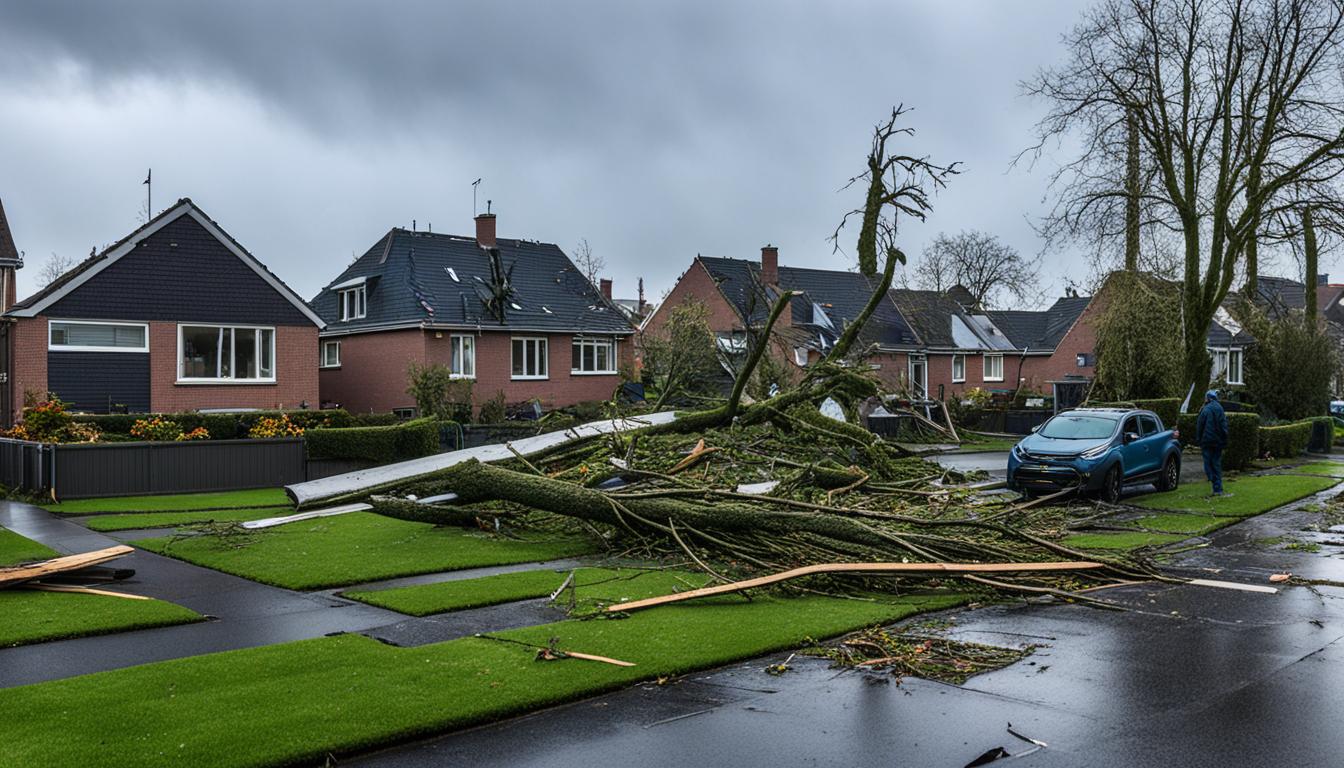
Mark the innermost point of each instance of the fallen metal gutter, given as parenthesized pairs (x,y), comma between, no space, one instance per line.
(336,486)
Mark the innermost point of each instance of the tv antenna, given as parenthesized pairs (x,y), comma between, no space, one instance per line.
(474,185)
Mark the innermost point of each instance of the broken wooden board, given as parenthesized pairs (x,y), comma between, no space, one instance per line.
(886,568)
(40,587)
(1234,585)
(33,571)
(270,522)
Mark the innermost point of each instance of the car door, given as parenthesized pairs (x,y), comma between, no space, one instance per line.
(1153,442)
(1132,454)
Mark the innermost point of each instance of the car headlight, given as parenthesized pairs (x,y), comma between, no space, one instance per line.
(1096,453)
(1018,452)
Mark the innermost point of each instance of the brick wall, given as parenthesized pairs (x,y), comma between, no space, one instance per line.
(494,370)
(696,284)
(295,375)
(372,374)
(1037,371)
(30,359)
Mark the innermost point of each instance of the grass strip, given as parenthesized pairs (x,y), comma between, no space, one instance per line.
(1177,522)
(1123,540)
(1322,468)
(182,502)
(1251,495)
(36,617)
(112,522)
(357,547)
(15,549)
(592,585)
(988,445)
(299,702)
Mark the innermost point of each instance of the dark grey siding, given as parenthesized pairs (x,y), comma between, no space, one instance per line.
(94,381)
(182,274)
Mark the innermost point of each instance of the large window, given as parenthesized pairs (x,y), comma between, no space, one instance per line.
(83,336)
(958,368)
(529,359)
(225,353)
(331,354)
(462,361)
(993,367)
(593,356)
(1227,365)
(353,306)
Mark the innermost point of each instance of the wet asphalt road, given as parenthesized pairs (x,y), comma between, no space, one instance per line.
(1186,676)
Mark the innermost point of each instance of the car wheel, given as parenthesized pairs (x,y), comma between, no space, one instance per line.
(1110,486)
(1171,475)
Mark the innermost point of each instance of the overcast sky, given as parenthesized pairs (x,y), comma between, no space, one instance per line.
(656,132)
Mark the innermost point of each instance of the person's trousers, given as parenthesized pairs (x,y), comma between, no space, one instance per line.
(1213,467)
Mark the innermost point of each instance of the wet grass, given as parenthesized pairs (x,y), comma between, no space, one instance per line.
(357,547)
(986,445)
(300,702)
(1175,522)
(1122,540)
(110,522)
(259,497)
(16,549)
(1251,495)
(1323,468)
(593,587)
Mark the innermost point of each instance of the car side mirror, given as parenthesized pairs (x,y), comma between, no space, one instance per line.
(1033,429)
(1131,437)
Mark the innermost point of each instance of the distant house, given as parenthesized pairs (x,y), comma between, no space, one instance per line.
(175,316)
(511,316)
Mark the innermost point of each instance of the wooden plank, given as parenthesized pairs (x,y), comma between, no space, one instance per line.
(894,568)
(20,574)
(80,590)
(1234,585)
(270,522)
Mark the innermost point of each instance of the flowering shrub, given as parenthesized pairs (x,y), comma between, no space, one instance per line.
(199,433)
(156,429)
(49,421)
(279,426)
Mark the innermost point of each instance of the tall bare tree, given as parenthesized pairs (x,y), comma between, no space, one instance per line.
(1240,111)
(589,264)
(55,266)
(989,268)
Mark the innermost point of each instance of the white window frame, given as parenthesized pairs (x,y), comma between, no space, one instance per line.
(354,303)
(466,342)
(79,348)
(541,354)
(958,358)
(233,337)
(923,384)
(1224,368)
(322,355)
(985,367)
(609,342)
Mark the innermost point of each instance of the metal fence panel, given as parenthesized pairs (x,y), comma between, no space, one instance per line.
(132,469)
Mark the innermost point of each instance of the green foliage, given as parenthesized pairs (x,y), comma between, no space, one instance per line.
(50,421)
(1139,349)
(372,420)
(1243,437)
(1285,441)
(1251,495)
(225,426)
(1289,370)
(771,371)
(682,360)
(177,502)
(383,445)
(493,410)
(438,394)
(1167,408)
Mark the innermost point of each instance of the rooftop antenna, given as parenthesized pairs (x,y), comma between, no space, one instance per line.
(474,185)
(487,207)
(412,225)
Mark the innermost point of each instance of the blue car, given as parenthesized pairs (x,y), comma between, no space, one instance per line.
(1097,450)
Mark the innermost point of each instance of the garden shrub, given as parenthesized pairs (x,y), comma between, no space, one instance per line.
(1285,441)
(220,426)
(492,410)
(162,429)
(381,444)
(49,421)
(1166,408)
(371,420)
(274,426)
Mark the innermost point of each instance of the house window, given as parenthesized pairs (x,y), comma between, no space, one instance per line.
(462,360)
(1227,365)
(800,356)
(592,355)
(993,367)
(80,336)
(225,353)
(958,369)
(353,306)
(529,358)
(331,354)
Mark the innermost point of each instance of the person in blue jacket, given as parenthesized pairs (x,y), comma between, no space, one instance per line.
(1211,434)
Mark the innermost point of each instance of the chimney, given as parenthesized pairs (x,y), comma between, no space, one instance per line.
(485,230)
(770,265)
(1323,279)
(606,288)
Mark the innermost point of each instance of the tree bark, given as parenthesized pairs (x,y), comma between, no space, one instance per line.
(1311,257)
(1132,191)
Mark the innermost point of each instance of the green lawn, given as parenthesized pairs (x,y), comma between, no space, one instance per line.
(1251,495)
(259,497)
(299,702)
(1177,522)
(1324,468)
(35,617)
(594,586)
(15,549)
(985,445)
(171,519)
(1122,540)
(355,548)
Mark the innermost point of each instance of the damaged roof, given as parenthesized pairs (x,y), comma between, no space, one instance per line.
(417,279)
(1040,331)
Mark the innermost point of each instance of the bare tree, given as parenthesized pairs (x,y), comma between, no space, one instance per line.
(989,268)
(1239,107)
(55,266)
(590,265)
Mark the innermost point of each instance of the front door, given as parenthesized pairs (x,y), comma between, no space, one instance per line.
(919,377)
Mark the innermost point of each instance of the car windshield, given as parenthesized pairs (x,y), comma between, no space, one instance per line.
(1078,427)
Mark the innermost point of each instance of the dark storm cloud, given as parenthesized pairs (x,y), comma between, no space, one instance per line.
(655,131)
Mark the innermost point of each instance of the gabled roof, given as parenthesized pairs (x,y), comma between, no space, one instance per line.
(90,267)
(428,279)
(1041,331)
(9,254)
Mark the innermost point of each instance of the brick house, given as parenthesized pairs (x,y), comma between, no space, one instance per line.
(175,316)
(511,316)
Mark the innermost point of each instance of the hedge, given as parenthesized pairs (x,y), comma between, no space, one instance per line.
(382,444)
(1243,439)
(1168,409)
(221,426)
(1285,441)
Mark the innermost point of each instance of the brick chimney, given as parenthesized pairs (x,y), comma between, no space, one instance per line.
(485,230)
(606,288)
(770,265)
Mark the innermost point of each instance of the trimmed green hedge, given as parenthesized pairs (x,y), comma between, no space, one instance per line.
(382,444)
(221,426)
(1168,409)
(1285,441)
(1243,438)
